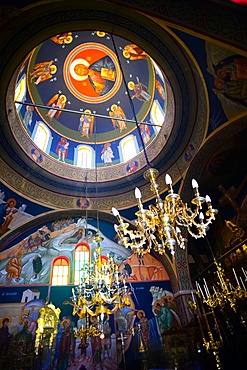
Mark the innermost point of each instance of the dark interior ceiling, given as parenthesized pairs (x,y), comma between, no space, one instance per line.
(189,42)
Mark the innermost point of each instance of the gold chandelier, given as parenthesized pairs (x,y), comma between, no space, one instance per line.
(157,227)
(99,294)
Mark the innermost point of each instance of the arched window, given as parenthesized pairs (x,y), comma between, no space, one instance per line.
(128,148)
(157,116)
(20,91)
(82,258)
(84,156)
(42,136)
(60,271)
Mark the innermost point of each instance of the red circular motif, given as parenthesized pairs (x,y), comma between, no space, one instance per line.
(104,73)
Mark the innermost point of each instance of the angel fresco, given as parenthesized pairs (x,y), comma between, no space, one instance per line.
(56,102)
(43,71)
(140,90)
(117,114)
(86,123)
(63,38)
(134,52)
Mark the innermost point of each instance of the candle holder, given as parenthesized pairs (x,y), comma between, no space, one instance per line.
(224,292)
(211,344)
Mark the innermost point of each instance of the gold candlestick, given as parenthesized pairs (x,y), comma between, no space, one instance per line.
(210,343)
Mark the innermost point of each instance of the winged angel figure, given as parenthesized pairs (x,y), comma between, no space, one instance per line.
(118,115)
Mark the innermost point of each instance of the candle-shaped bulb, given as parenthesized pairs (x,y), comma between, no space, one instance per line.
(208,199)
(199,290)
(169,183)
(115,211)
(194,184)
(195,187)
(201,216)
(236,276)
(138,194)
(168,179)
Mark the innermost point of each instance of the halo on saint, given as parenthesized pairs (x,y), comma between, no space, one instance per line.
(131,85)
(75,63)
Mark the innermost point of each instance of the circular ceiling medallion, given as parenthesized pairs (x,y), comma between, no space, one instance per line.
(92,72)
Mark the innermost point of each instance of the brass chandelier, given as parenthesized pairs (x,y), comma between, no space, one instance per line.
(157,227)
(99,294)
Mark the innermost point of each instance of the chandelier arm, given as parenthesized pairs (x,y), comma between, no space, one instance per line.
(157,227)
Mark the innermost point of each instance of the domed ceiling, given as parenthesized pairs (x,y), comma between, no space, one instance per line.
(93,111)
(104,93)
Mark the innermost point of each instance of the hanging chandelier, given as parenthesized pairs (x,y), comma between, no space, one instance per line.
(158,227)
(99,294)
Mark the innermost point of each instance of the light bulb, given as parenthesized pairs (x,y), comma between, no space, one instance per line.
(115,211)
(168,179)
(194,184)
(208,199)
(138,194)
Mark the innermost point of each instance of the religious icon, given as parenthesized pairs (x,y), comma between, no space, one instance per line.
(86,123)
(83,202)
(132,167)
(140,90)
(43,71)
(36,155)
(107,154)
(63,38)
(56,102)
(62,149)
(134,52)
(117,115)
(101,74)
